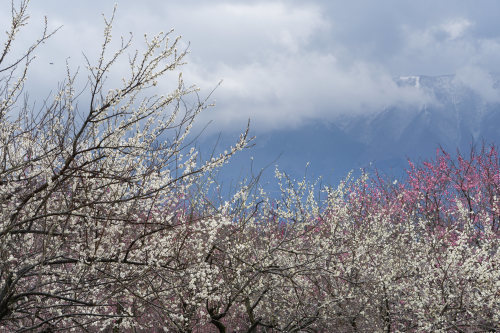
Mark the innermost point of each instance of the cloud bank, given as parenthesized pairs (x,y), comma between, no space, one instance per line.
(285,63)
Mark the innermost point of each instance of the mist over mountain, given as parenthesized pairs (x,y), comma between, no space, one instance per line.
(458,115)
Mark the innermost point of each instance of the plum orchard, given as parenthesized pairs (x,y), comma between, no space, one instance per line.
(103,228)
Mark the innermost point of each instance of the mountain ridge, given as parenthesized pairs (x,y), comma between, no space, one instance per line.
(457,117)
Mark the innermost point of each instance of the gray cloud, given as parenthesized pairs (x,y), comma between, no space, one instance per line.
(286,62)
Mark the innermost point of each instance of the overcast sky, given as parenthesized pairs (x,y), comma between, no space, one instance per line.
(286,62)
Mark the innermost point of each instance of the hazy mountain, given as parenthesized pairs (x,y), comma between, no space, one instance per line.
(457,116)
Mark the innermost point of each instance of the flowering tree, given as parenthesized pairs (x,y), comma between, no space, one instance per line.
(370,257)
(373,256)
(93,191)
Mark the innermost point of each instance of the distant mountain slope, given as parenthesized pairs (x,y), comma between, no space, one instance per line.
(457,117)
